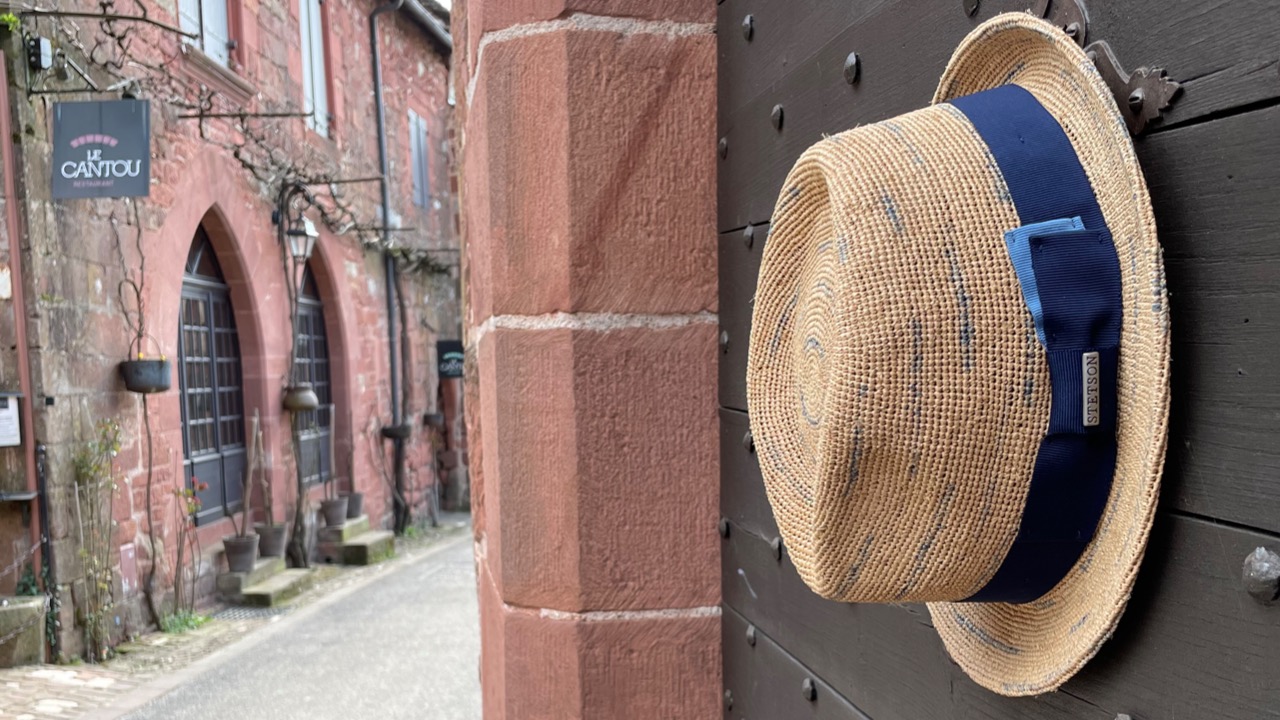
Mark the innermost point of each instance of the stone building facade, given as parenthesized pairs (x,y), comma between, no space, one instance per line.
(215,274)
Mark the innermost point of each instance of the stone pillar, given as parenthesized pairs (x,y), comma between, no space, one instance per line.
(588,191)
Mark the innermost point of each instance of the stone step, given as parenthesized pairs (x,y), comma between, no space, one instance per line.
(278,588)
(232,585)
(367,548)
(23,617)
(344,532)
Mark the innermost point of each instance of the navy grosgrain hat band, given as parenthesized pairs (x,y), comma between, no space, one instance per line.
(1070,278)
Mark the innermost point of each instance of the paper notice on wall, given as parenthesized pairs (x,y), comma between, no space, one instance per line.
(10,435)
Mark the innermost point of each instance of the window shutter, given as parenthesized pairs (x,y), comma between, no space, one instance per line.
(304,25)
(215,30)
(189,17)
(426,163)
(415,155)
(319,81)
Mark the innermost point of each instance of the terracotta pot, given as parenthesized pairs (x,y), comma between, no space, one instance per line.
(355,504)
(146,376)
(241,552)
(272,539)
(301,398)
(334,511)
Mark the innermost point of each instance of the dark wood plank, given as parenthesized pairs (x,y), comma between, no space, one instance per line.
(900,58)
(1191,644)
(762,680)
(784,35)
(886,660)
(1225,54)
(1213,187)
(739,266)
(741,486)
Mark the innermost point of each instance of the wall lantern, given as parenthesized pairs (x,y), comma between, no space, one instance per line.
(302,239)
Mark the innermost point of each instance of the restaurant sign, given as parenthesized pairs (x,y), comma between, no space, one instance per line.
(101,149)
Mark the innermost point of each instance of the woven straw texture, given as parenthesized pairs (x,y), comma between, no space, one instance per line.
(898,394)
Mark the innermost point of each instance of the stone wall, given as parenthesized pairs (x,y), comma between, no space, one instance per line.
(78,334)
(588,218)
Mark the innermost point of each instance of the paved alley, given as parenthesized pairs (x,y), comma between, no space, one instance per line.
(403,647)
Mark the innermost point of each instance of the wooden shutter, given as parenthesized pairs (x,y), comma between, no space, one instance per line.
(315,89)
(215,30)
(189,17)
(418,157)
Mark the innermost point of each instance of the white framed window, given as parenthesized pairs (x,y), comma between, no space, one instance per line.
(208,19)
(315,87)
(420,154)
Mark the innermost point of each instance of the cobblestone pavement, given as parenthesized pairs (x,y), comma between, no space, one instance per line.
(406,647)
(64,692)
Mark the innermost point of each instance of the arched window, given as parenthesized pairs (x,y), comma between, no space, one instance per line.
(211,386)
(312,365)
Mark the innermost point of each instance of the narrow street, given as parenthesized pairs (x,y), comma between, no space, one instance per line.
(404,647)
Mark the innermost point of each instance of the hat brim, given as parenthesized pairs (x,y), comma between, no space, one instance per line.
(1032,648)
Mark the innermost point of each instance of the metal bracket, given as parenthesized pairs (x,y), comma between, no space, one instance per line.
(1142,96)
(1070,15)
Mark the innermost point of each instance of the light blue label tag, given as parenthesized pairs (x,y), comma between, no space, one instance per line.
(1018,243)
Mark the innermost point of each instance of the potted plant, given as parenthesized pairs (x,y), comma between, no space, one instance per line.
(355,501)
(272,536)
(334,506)
(145,375)
(241,549)
(355,498)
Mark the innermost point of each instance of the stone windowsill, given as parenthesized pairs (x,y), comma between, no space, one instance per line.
(211,73)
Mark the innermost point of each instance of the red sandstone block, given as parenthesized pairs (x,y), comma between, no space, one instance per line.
(489,15)
(527,410)
(622,669)
(492,644)
(595,174)
(600,461)
(648,457)
(654,668)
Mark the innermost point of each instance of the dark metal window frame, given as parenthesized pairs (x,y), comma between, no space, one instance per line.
(221,383)
(312,365)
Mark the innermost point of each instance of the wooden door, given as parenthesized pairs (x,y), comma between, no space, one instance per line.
(1193,643)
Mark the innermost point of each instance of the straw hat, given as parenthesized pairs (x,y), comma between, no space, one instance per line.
(959,366)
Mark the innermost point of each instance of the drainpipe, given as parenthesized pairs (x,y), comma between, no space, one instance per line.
(389,264)
(26,404)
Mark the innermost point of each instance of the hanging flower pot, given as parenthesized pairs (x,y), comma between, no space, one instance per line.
(146,376)
(301,398)
(241,552)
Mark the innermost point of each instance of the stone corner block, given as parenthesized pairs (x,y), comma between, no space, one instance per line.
(598,446)
(593,153)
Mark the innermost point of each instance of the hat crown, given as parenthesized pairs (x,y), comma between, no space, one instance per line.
(920,391)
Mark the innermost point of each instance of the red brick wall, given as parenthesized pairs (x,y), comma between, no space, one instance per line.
(77,330)
(588,220)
